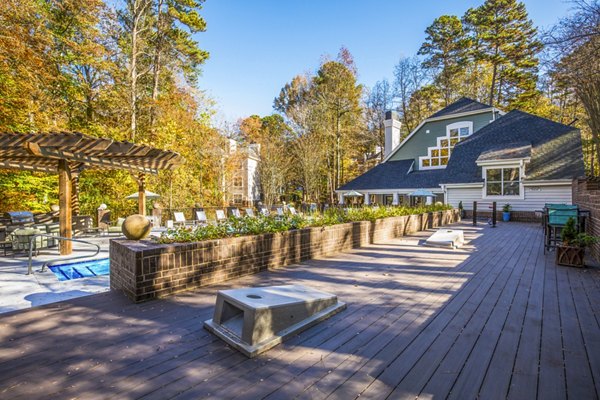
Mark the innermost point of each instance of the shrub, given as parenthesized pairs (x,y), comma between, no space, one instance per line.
(260,224)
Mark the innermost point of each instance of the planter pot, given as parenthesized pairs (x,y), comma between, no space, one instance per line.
(570,256)
(506,216)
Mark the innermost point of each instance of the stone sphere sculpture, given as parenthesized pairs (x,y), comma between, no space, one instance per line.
(136,227)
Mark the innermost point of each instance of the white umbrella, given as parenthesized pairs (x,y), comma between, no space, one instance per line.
(353,193)
(149,195)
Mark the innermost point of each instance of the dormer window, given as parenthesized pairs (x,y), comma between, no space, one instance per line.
(438,156)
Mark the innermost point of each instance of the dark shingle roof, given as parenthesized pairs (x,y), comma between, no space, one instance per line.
(394,175)
(555,148)
(507,152)
(464,104)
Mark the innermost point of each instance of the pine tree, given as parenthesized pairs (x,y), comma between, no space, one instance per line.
(447,48)
(505,38)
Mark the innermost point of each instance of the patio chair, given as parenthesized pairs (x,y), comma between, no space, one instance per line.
(292,211)
(557,219)
(179,218)
(20,240)
(264,211)
(234,211)
(249,212)
(201,218)
(220,215)
(118,227)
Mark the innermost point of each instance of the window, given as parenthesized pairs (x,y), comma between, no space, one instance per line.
(237,182)
(438,156)
(502,181)
(237,199)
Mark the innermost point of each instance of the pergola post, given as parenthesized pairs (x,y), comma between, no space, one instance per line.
(75,193)
(141,194)
(64,202)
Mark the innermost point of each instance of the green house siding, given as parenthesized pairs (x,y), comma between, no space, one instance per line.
(417,145)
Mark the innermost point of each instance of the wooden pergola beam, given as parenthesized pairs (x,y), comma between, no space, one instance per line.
(46,152)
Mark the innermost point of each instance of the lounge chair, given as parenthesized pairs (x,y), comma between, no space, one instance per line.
(179,218)
(118,227)
(234,211)
(250,212)
(292,211)
(201,218)
(220,215)
(264,211)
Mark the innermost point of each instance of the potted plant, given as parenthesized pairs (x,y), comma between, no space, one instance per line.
(461,210)
(572,249)
(506,212)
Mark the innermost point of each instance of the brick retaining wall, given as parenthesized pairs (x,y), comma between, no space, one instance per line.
(145,270)
(586,194)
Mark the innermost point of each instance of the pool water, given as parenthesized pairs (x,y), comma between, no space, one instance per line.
(83,269)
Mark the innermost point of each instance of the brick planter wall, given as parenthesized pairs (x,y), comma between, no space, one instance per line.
(145,270)
(586,194)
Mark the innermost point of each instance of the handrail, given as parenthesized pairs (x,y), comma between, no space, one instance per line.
(32,237)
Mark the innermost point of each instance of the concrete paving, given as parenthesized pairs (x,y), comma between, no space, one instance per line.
(19,290)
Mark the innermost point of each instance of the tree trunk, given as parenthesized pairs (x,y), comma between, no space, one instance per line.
(157,65)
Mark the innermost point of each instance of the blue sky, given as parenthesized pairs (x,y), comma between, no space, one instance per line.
(257,46)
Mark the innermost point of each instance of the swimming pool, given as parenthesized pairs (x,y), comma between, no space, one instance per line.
(82,269)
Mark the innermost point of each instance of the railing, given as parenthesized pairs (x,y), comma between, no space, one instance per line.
(31,241)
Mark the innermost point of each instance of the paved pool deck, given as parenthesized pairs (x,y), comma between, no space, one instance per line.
(20,291)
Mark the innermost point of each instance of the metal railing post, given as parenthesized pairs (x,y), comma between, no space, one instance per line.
(32,238)
(474,213)
(494,217)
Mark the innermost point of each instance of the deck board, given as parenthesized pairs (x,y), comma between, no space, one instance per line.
(495,319)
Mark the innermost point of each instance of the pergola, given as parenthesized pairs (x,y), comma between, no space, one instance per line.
(68,154)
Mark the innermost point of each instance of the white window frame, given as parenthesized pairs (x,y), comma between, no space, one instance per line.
(520,196)
(449,127)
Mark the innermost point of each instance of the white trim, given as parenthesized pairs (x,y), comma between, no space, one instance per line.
(520,196)
(503,162)
(463,185)
(441,118)
(555,182)
(448,138)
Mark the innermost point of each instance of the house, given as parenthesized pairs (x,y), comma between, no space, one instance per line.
(242,185)
(470,151)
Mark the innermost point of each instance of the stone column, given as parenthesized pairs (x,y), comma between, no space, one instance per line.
(367,199)
(341,198)
(396,199)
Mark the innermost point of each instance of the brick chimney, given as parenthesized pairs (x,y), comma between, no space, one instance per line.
(392,131)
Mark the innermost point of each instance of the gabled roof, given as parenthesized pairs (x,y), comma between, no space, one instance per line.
(555,151)
(395,175)
(462,105)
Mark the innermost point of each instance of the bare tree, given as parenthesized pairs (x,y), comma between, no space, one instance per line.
(409,76)
(575,42)
(378,101)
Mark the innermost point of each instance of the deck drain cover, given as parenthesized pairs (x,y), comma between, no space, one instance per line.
(253,320)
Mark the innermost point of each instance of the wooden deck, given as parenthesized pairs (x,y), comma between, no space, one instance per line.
(497,319)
